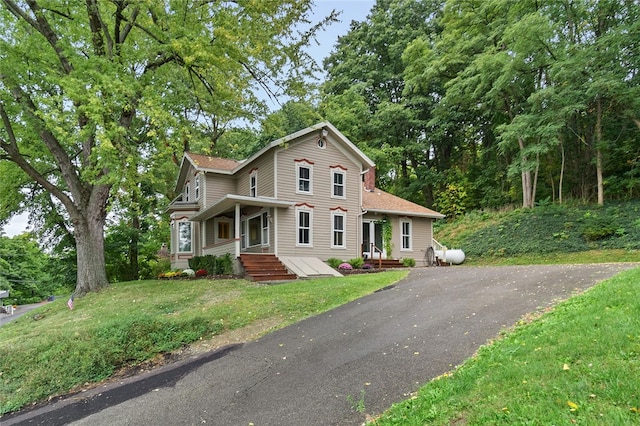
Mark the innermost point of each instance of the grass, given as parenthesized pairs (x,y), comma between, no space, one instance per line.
(52,350)
(577,364)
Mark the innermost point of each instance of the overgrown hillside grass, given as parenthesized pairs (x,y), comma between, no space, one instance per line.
(53,350)
(547,232)
(578,364)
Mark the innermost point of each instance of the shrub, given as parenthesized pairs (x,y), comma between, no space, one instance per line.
(409,261)
(224,264)
(345,266)
(357,262)
(334,262)
(367,266)
(218,265)
(201,273)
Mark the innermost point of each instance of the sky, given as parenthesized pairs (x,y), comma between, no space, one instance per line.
(351,10)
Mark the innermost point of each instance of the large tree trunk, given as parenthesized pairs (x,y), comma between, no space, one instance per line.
(88,230)
(92,275)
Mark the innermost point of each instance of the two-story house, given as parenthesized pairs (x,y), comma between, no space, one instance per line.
(307,196)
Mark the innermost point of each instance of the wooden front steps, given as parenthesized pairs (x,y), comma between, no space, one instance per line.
(386,263)
(265,267)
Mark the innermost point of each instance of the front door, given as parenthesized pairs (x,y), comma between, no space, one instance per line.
(372,246)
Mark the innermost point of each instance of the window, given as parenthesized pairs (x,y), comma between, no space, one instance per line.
(304,172)
(253,184)
(196,188)
(303,225)
(265,228)
(338,179)
(184,237)
(187,186)
(224,230)
(406,234)
(337,227)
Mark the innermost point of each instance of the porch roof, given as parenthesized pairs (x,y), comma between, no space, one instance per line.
(378,201)
(229,201)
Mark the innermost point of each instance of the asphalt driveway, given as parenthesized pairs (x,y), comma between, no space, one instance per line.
(367,354)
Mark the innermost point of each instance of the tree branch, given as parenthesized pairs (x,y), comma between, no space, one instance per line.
(13,154)
(41,25)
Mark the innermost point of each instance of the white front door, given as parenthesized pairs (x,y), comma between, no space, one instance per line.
(372,245)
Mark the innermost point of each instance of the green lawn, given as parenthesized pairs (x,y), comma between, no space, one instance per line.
(577,364)
(53,350)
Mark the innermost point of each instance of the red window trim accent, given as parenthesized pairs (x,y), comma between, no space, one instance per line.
(303,160)
(338,166)
(338,208)
(305,204)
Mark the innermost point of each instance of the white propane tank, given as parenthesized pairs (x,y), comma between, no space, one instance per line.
(453,256)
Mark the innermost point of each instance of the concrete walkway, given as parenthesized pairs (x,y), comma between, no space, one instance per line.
(367,354)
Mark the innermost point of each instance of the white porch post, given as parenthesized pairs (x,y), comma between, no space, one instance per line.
(237,235)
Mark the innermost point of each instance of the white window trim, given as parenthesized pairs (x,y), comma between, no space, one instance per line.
(178,245)
(298,211)
(306,165)
(344,229)
(196,187)
(344,183)
(403,235)
(253,183)
(187,191)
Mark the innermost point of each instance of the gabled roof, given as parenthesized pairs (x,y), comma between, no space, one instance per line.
(229,167)
(205,162)
(344,142)
(378,201)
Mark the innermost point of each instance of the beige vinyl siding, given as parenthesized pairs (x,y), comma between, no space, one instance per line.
(421,238)
(264,168)
(216,187)
(321,199)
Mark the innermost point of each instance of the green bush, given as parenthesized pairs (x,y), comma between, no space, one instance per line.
(409,261)
(356,263)
(334,262)
(218,265)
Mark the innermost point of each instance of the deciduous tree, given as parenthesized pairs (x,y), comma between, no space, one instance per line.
(83,84)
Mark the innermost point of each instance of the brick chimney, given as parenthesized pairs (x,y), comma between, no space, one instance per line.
(370,179)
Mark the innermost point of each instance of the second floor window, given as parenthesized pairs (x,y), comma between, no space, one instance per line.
(253,184)
(338,179)
(304,179)
(196,187)
(187,192)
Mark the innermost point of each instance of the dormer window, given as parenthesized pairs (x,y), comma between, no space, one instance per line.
(187,194)
(196,187)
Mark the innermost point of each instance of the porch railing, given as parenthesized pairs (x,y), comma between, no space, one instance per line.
(372,250)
